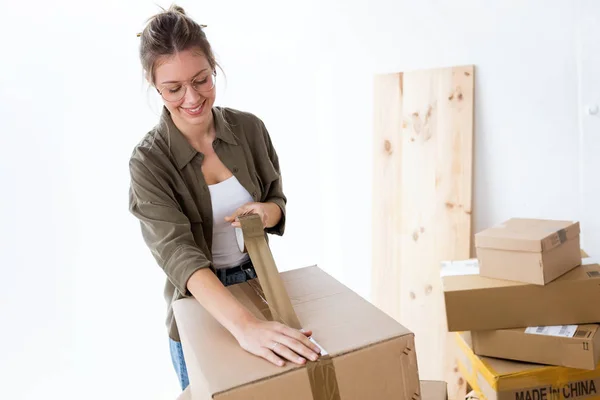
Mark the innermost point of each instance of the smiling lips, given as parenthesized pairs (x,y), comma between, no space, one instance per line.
(195,111)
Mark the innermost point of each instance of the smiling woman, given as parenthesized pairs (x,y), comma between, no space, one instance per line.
(191,176)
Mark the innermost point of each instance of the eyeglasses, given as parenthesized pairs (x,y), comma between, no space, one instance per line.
(176,92)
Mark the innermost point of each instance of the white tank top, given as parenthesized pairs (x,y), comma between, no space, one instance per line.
(226,197)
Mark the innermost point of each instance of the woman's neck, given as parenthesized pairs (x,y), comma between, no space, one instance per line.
(197,134)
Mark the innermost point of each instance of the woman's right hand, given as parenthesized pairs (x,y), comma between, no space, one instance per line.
(276,342)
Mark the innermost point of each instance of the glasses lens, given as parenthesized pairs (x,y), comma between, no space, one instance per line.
(204,83)
(173,93)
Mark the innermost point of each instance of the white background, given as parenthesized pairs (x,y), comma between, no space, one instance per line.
(81,303)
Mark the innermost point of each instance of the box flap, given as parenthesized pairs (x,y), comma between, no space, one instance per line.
(341,322)
(472,282)
(523,234)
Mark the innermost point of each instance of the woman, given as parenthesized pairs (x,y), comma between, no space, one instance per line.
(191,176)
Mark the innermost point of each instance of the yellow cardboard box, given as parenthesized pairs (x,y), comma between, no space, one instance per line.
(498,379)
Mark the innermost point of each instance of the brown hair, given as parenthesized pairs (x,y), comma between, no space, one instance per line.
(169,32)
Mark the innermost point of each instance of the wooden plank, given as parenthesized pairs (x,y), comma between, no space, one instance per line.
(422,203)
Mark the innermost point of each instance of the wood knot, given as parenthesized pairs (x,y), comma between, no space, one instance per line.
(415,236)
(412,295)
(428,289)
(387,145)
(417,123)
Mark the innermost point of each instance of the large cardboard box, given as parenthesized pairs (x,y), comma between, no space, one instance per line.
(434,390)
(475,303)
(369,355)
(564,345)
(497,379)
(529,250)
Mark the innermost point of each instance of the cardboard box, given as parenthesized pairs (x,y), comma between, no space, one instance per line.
(475,303)
(434,390)
(186,394)
(368,354)
(529,250)
(564,345)
(496,379)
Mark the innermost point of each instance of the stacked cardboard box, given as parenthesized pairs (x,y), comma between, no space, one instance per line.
(528,297)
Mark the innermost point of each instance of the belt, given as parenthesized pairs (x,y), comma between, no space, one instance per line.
(238,274)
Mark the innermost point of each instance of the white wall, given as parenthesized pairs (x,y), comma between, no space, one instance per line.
(80,297)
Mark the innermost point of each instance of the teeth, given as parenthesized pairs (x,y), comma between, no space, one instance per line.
(193,110)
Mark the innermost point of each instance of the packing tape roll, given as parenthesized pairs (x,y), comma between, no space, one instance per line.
(239,236)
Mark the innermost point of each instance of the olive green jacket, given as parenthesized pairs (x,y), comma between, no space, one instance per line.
(169,196)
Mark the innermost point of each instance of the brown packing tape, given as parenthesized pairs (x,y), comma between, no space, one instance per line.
(562,235)
(323,381)
(266,270)
(321,374)
(255,295)
(270,291)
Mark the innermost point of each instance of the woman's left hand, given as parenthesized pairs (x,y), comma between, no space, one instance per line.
(249,208)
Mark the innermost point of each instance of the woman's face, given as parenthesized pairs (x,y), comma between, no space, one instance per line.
(186,84)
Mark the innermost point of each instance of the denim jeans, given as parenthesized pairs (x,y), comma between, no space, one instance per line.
(177,351)
(179,363)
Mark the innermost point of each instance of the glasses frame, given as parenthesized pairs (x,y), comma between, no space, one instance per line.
(191,84)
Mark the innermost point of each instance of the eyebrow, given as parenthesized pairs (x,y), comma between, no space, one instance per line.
(167,82)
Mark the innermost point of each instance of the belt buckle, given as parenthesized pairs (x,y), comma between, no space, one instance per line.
(249,273)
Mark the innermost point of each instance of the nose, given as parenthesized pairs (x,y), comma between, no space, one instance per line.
(191,96)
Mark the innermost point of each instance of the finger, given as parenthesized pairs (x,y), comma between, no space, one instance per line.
(271,357)
(307,333)
(300,337)
(235,214)
(284,351)
(298,347)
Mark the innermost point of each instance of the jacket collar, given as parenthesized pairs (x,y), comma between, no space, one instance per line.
(180,148)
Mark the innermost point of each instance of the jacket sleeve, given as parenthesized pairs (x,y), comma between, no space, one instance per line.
(275,188)
(165,228)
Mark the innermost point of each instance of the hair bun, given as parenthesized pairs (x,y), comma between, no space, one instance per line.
(176,8)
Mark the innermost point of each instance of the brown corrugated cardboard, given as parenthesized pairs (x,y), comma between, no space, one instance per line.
(186,394)
(434,390)
(497,379)
(373,356)
(476,303)
(529,250)
(567,345)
